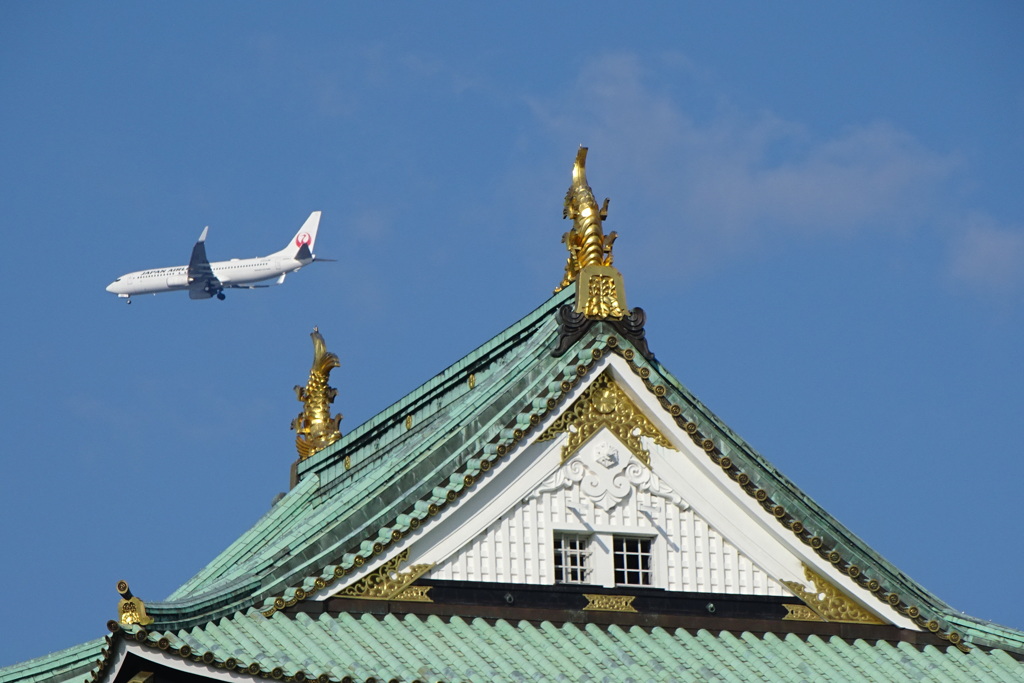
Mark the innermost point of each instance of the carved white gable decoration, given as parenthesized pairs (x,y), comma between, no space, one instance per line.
(604,491)
(606,478)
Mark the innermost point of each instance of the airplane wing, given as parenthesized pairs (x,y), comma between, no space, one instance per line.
(202,283)
(276,282)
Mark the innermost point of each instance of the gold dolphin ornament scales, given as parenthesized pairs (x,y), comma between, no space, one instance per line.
(599,290)
(315,426)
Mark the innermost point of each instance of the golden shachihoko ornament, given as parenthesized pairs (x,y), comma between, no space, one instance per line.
(599,290)
(315,426)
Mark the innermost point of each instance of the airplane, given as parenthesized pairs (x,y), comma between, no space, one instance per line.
(204,280)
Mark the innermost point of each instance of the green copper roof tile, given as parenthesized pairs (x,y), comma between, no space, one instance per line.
(324,653)
(265,638)
(689,659)
(835,658)
(770,660)
(730,666)
(495,650)
(745,662)
(983,673)
(356,658)
(786,653)
(325,648)
(281,516)
(606,659)
(666,663)
(436,649)
(541,640)
(469,632)
(583,645)
(1001,664)
(293,632)
(939,667)
(439,638)
(459,641)
(390,653)
(405,648)
(872,657)
(560,639)
(71,665)
(526,653)
(942,668)
(248,649)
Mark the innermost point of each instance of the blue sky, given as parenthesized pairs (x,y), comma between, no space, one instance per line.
(819,208)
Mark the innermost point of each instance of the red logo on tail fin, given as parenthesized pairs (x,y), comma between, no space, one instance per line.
(302,238)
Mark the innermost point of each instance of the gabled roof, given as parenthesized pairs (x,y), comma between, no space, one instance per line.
(398,472)
(393,473)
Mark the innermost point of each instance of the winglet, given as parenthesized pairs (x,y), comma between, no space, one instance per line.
(202,238)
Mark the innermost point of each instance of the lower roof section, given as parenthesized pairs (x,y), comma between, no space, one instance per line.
(389,647)
(73,664)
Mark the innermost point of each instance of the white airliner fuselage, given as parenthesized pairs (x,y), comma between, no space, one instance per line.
(203,279)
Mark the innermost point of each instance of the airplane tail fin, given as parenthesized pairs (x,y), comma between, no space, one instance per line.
(301,245)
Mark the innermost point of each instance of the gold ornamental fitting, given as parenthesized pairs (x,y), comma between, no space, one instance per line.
(600,293)
(131,610)
(317,428)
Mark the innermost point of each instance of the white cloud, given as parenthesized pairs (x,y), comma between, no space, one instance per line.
(732,180)
(988,256)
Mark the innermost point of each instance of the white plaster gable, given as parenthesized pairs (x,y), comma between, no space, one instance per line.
(603,492)
(706,534)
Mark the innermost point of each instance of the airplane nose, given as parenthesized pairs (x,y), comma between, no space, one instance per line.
(110,288)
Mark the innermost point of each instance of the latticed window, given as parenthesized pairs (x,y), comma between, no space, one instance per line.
(572,558)
(632,561)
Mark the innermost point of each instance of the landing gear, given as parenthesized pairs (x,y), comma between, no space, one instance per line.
(128,301)
(220,295)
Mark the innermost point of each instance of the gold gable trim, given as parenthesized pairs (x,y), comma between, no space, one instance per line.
(600,292)
(387,583)
(609,603)
(825,603)
(605,406)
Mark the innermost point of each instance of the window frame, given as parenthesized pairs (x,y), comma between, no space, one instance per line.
(602,569)
(633,547)
(573,565)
